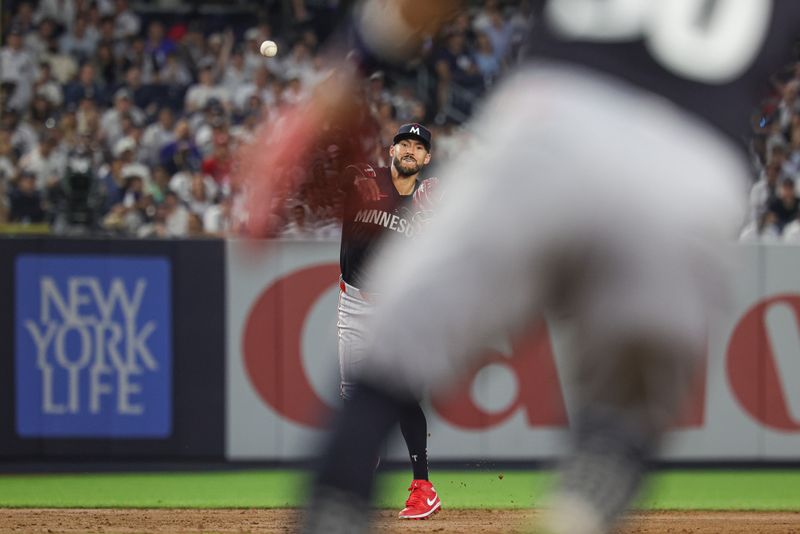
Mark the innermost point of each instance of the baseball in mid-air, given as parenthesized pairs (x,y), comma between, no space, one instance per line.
(269,48)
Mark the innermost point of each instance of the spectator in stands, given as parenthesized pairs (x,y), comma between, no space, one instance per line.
(94,15)
(462,23)
(293,92)
(249,119)
(217,51)
(773,135)
(127,149)
(17,66)
(46,162)
(112,121)
(456,69)
(8,160)
(483,17)
(80,42)
(146,97)
(183,184)
(194,227)
(317,74)
(486,59)
(159,185)
(157,226)
(108,37)
(26,205)
(763,191)
(791,232)
(23,19)
(521,20)
(157,135)
(219,163)
(192,46)
(251,54)
(135,132)
(4,205)
(262,85)
(311,40)
(112,184)
(128,216)
(376,91)
(63,66)
(126,22)
(200,195)
(217,219)
(792,166)
(133,192)
(88,119)
(37,42)
(498,30)
(68,124)
(405,104)
(204,90)
(114,220)
(106,65)
(234,74)
(176,216)
(386,118)
(763,230)
(181,154)
(62,12)
(42,113)
(47,86)
(175,75)
(298,227)
(135,54)
(789,104)
(785,204)
(213,121)
(23,136)
(85,86)
(158,45)
(299,64)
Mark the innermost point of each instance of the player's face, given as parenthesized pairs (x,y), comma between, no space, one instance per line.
(409,157)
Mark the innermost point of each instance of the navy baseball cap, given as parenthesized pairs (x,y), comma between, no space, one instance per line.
(414,131)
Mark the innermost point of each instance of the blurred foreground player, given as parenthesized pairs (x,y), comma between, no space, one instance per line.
(608,178)
(384,201)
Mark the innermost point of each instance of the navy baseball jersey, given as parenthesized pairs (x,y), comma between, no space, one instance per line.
(711,57)
(365,223)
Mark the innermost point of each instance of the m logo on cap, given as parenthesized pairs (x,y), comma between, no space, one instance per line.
(416,131)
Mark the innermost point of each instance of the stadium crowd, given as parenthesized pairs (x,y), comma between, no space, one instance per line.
(121,119)
(774,208)
(118,119)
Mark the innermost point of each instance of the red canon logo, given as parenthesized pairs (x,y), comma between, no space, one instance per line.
(538,394)
(752,368)
(272,354)
(271,344)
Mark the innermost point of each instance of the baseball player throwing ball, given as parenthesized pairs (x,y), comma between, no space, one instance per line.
(387,200)
(608,175)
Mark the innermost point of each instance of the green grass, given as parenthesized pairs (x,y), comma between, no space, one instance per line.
(707,490)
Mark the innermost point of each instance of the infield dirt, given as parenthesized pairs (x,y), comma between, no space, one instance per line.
(268,521)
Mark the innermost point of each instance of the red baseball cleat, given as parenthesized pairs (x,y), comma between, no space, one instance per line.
(423,501)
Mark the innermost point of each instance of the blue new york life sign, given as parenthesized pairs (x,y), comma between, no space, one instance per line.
(93,347)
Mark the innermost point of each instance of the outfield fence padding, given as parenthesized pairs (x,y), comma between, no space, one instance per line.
(210,349)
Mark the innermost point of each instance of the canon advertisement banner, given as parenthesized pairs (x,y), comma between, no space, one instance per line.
(283,376)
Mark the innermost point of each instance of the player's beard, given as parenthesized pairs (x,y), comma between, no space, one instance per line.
(406,168)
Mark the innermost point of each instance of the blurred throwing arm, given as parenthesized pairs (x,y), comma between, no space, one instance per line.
(378,31)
